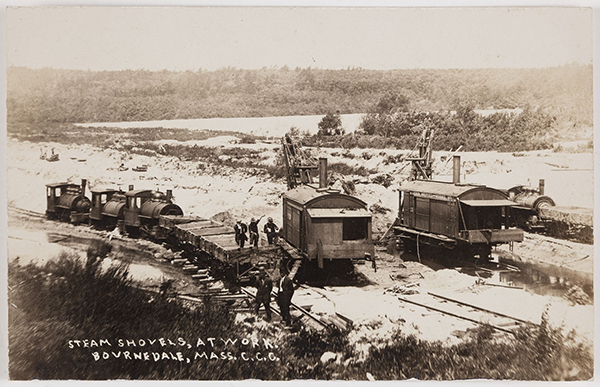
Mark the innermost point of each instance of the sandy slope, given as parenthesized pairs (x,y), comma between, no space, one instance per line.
(209,191)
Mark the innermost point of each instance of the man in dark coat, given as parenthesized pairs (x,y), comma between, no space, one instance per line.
(271,231)
(240,233)
(264,286)
(285,293)
(253,228)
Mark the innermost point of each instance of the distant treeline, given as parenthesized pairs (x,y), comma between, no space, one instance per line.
(64,96)
(533,129)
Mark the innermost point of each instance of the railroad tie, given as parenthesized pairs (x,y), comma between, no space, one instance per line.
(179,261)
(188,268)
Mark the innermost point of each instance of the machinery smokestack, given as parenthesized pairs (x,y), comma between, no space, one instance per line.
(83,184)
(542,186)
(169,194)
(323,172)
(131,187)
(456,169)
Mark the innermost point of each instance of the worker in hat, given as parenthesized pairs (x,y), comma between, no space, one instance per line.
(253,228)
(271,230)
(240,229)
(285,292)
(264,287)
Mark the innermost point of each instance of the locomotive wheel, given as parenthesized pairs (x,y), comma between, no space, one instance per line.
(65,216)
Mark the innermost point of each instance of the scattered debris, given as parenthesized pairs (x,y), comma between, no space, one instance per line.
(403,289)
(378,209)
(140,168)
(577,296)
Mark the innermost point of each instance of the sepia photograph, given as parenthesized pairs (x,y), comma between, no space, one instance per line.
(299,193)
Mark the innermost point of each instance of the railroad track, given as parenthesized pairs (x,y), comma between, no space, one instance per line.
(465,311)
(239,301)
(24,212)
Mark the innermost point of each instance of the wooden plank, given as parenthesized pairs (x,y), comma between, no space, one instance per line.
(425,234)
(170,221)
(201,223)
(289,249)
(225,236)
(295,268)
(204,231)
(196,231)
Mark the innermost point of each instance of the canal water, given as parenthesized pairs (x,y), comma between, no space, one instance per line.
(258,126)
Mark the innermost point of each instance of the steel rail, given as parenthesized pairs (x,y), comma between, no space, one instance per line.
(482,309)
(455,315)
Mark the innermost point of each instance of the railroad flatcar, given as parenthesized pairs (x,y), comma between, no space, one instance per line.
(468,217)
(67,202)
(143,209)
(325,224)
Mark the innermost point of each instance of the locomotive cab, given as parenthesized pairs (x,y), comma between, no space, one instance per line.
(107,207)
(143,209)
(67,202)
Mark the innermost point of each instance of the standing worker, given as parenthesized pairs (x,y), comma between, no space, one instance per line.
(271,230)
(253,227)
(285,293)
(240,229)
(264,286)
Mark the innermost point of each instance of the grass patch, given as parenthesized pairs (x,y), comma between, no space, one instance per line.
(347,170)
(72,299)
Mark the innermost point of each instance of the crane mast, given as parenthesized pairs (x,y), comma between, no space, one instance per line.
(297,162)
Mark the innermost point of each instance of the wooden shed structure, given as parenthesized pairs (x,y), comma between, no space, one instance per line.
(475,214)
(326,224)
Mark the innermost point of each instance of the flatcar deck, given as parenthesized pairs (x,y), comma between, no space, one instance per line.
(214,238)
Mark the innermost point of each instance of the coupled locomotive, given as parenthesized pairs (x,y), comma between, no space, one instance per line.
(135,212)
(534,211)
(67,202)
(530,203)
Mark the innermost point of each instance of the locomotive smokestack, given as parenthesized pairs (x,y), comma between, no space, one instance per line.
(456,169)
(323,172)
(131,187)
(83,184)
(169,194)
(542,186)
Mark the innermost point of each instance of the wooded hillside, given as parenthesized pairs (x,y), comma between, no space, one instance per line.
(49,95)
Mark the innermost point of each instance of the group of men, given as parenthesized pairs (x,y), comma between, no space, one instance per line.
(241,229)
(285,291)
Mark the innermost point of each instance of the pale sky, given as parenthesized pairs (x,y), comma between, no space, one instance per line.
(376,38)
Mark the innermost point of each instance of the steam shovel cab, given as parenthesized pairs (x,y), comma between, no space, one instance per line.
(67,202)
(473,218)
(326,224)
(143,209)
